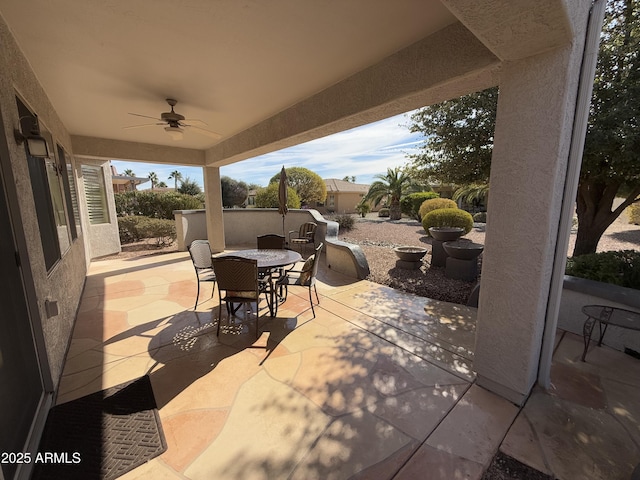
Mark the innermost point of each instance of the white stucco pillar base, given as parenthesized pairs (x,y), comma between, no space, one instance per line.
(213,204)
(528,172)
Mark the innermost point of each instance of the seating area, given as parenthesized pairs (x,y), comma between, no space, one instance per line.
(379,384)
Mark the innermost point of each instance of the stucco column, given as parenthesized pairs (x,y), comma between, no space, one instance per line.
(528,172)
(213,204)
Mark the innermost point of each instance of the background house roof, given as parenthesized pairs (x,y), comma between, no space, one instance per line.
(335,185)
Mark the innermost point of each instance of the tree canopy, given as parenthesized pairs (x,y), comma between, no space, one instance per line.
(459,133)
(234,192)
(458,138)
(392,186)
(189,187)
(309,186)
(268,197)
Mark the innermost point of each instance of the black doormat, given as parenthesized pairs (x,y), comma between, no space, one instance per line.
(101,436)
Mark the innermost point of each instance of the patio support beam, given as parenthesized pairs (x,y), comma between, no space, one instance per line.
(213,205)
(444,65)
(528,172)
(109,149)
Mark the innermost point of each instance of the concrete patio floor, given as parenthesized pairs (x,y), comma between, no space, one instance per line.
(378,385)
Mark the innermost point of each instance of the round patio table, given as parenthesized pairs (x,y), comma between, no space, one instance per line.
(269,260)
(606,315)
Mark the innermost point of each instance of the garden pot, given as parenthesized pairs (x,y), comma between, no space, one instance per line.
(446,234)
(410,254)
(463,250)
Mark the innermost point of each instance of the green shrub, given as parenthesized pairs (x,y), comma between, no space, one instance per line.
(128,228)
(345,221)
(154,204)
(134,228)
(448,217)
(160,229)
(633,211)
(620,268)
(410,204)
(435,204)
(384,212)
(480,217)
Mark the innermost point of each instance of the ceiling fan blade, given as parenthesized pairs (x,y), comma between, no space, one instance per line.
(203,131)
(143,125)
(195,120)
(144,116)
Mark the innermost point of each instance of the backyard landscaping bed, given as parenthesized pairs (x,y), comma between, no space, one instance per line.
(378,236)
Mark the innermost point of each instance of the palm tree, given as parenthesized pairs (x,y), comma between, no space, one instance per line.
(394,185)
(153,177)
(177,176)
(129,173)
(474,192)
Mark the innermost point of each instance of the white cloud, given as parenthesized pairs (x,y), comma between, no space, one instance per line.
(361,152)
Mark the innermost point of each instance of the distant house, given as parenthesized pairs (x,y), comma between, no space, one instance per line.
(342,196)
(124,183)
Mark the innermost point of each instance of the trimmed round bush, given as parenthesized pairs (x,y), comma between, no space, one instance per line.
(448,217)
(410,204)
(435,204)
(384,212)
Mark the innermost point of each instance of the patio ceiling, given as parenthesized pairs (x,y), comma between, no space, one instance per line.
(238,64)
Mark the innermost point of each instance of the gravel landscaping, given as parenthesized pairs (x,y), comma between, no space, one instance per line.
(377,237)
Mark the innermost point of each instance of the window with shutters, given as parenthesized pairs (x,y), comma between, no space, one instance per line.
(95,194)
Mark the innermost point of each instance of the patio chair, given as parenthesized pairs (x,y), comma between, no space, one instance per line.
(271,241)
(305,277)
(304,236)
(200,252)
(238,277)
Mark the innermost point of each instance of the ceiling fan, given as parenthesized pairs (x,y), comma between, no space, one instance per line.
(175,124)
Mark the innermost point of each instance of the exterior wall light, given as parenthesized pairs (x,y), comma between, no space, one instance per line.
(36,143)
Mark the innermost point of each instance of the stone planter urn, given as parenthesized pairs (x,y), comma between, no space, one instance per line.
(462,262)
(409,257)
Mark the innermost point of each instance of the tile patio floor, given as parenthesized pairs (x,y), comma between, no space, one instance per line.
(378,386)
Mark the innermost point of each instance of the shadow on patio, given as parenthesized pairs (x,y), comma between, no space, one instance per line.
(378,385)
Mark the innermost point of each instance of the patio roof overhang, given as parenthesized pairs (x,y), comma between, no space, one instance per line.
(263,77)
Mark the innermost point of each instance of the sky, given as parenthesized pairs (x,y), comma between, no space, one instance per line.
(362,152)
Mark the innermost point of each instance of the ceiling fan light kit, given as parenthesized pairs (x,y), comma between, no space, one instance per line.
(176,133)
(175,124)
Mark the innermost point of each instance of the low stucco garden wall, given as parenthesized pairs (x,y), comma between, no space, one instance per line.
(578,292)
(243,226)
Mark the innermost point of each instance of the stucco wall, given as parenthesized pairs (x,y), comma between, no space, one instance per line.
(65,281)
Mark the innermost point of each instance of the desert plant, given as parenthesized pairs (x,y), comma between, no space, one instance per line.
(392,187)
(619,268)
(161,230)
(128,228)
(448,217)
(363,208)
(633,211)
(384,212)
(435,204)
(345,221)
(480,217)
(410,204)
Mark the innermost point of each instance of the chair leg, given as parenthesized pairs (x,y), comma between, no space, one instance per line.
(198,295)
(311,302)
(317,297)
(219,318)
